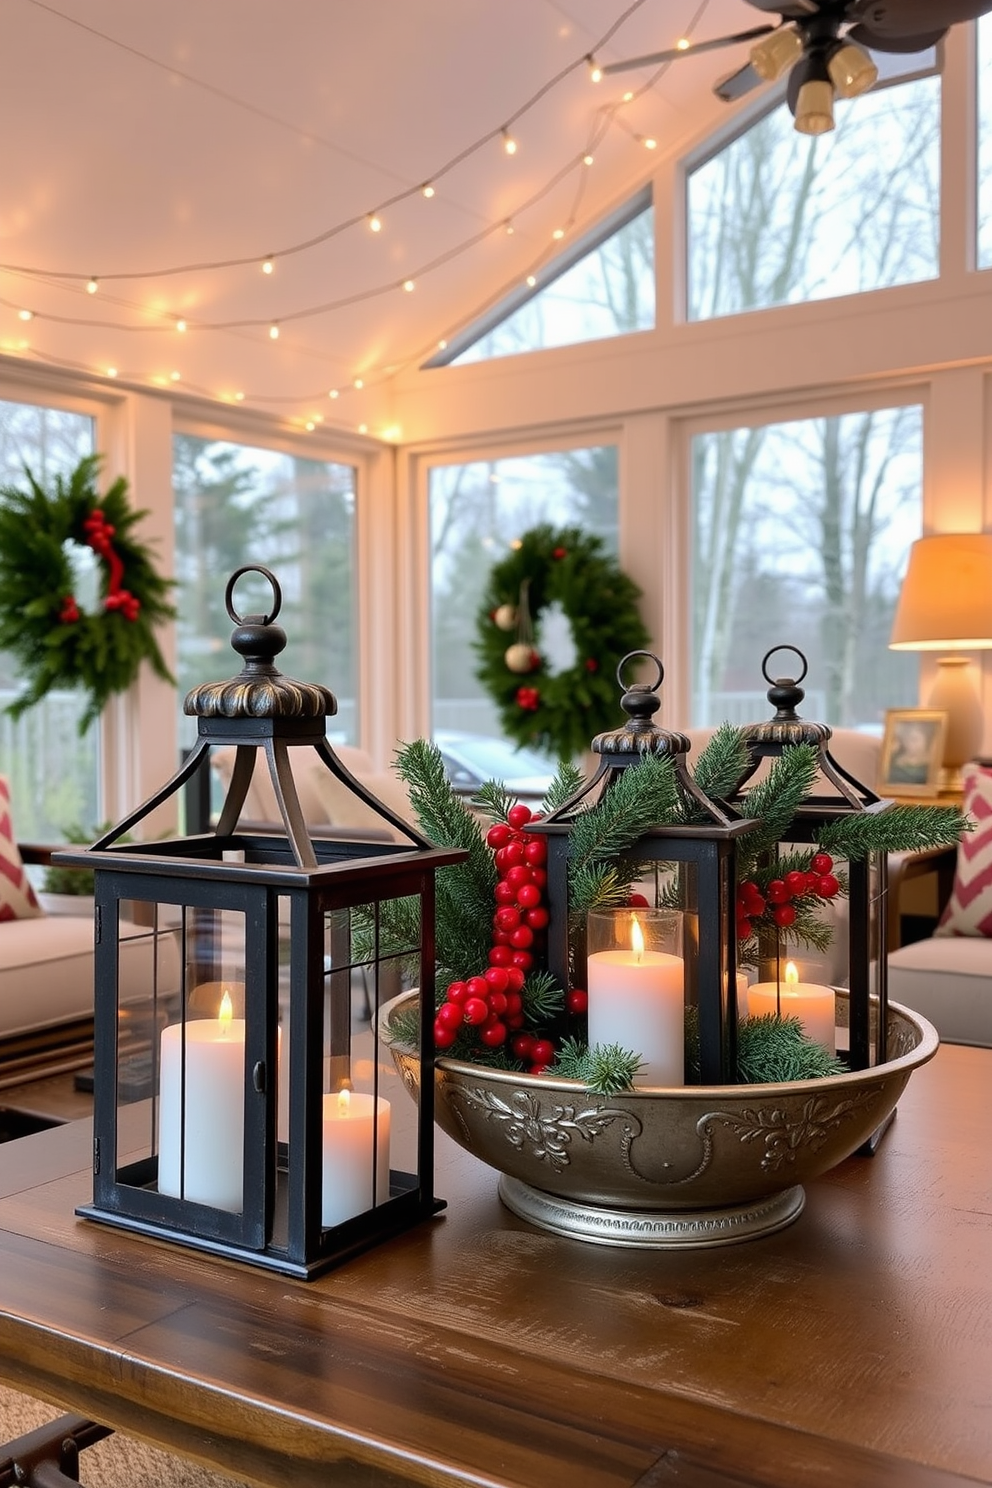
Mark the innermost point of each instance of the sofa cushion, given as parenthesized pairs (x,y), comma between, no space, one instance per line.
(18,900)
(969,909)
(46,970)
(949,981)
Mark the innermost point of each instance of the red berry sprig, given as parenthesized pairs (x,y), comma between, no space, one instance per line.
(491,1004)
(777,904)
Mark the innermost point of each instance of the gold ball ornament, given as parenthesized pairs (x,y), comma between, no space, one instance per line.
(521,658)
(505,617)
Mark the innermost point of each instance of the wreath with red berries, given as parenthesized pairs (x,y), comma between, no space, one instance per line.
(55,641)
(560,712)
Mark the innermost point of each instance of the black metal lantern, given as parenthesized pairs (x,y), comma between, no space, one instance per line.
(699,859)
(861,940)
(235,1110)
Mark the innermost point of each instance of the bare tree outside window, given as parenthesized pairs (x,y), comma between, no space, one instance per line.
(236,505)
(610,292)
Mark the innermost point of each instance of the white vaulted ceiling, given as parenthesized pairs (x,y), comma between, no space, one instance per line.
(177,145)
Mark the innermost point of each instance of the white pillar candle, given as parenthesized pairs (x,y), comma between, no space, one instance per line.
(637,1000)
(201,1140)
(812,1004)
(355,1145)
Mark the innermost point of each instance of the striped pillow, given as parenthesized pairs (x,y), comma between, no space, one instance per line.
(17,897)
(969,909)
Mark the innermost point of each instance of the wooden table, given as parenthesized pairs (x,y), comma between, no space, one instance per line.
(852,1349)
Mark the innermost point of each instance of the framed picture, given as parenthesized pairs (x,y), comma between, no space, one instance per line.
(912,751)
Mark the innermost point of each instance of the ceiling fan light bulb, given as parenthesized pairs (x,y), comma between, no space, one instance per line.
(775,54)
(815,107)
(851,70)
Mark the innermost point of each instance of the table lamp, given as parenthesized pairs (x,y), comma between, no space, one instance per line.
(946,605)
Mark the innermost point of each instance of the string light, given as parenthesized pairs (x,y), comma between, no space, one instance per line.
(408,285)
(363,428)
(92,286)
(267,266)
(173,376)
(587,160)
(683,44)
(650,144)
(359,384)
(273,333)
(509,143)
(25,315)
(334,393)
(180,325)
(310,426)
(375,223)
(509,229)
(442,345)
(111,371)
(239,397)
(628,97)
(427,190)
(595,71)
(531,281)
(558,233)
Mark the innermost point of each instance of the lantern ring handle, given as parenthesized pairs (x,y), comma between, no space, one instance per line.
(631,656)
(229,593)
(796,652)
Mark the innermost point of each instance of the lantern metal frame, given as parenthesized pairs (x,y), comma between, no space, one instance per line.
(253,873)
(709,849)
(867,878)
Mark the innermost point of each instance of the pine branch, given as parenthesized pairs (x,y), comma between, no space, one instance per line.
(599,886)
(642,796)
(895,829)
(605,1069)
(775,800)
(567,780)
(494,799)
(771,1050)
(543,999)
(721,765)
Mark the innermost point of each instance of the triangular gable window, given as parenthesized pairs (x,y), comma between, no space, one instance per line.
(602,287)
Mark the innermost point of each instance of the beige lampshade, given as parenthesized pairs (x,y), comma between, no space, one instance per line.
(946,599)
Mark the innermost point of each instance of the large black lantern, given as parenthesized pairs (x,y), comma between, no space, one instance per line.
(237,1100)
(696,862)
(858,948)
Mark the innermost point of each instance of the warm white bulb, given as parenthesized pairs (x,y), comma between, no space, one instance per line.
(359,383)
(595,71)
(239,397)
(268,266)
(531,281)
(363,428)
(852,71)
(375,223)
(173,376)
(442,345)
(683,44)
(815,107)
(628,97)
(273,333)
(650,144)
(334,393)
(25,314)
(92,287)
(180,325)
(408,285)
(587,160)
(427,191)
(559,232)
(509,143)
(310,426)
(111,371)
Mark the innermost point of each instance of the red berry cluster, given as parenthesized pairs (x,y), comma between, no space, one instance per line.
(529,699)
(98,536)
(492,1004)
(69,613)
(778,902)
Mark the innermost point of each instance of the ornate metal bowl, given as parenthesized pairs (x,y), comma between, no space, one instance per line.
(673,1168)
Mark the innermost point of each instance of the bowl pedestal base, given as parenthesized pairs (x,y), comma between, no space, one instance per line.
(651,1229)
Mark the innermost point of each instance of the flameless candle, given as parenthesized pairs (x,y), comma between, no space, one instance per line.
(812,1004)
(636,1000)
(355,1145)
(201,1138)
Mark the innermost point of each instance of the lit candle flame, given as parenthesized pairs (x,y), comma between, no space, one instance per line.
(791,974)
(344,1102)
(225,1014)
(636,937)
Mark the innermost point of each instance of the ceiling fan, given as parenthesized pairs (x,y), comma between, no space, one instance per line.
(824,45)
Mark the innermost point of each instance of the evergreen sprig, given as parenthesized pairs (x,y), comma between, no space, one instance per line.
(641,797)
(605,1069)
(568,778)
(722,763)
(774,801)
(893,829)
(770,1050)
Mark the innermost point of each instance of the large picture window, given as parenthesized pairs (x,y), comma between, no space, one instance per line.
(237,505)
(476,512)
(779,218)
(801,533)
(52,770)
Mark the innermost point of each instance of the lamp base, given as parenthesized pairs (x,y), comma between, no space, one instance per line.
(955,694)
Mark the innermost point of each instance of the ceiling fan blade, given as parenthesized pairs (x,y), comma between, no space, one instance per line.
(736,84)
(653,59)
(886,41)
(913,18)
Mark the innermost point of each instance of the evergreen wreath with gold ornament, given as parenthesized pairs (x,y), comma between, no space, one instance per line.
(56,643)
(558,711)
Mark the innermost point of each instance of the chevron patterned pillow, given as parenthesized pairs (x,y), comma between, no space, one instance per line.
(17,897)
(969,909)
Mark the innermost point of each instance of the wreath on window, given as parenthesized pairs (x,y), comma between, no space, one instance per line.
(558,709)
(56,643)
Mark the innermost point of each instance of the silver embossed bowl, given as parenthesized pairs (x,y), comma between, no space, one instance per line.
(678,1167)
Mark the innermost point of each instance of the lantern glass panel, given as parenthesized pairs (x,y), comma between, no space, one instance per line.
(149,991)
